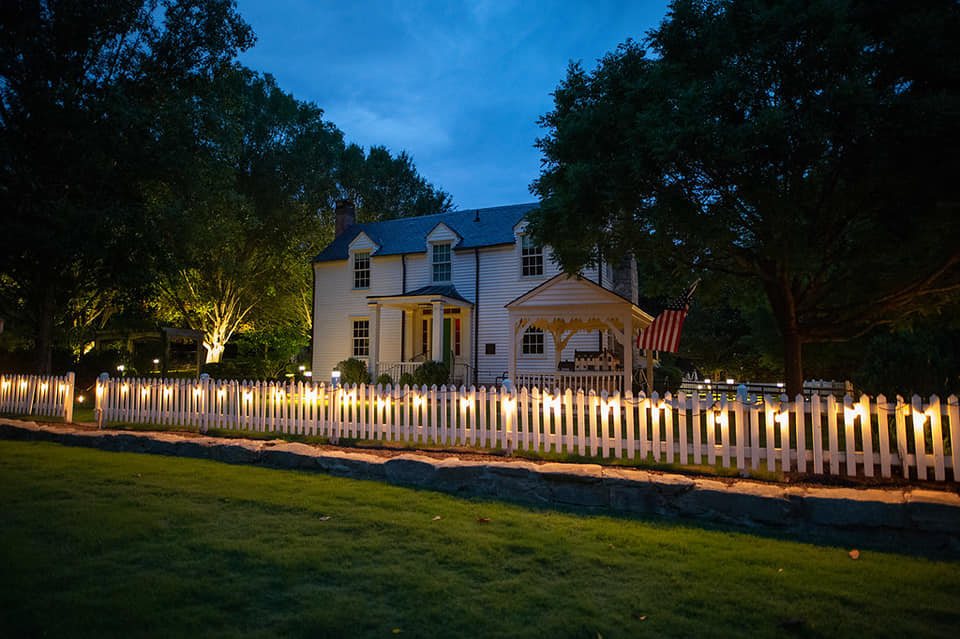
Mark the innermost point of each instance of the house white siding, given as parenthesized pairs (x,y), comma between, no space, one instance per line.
(499,281)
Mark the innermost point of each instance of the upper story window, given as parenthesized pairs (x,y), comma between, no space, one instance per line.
(532,343)
(441,263)
(361,270)
(531,257)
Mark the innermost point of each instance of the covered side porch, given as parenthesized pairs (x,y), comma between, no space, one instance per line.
(562,307)
(435,326)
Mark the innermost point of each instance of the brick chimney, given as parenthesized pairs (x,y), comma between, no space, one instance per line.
(625,282)
(345,216)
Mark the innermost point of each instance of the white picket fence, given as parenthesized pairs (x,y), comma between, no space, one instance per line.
(44,395)
(821,435)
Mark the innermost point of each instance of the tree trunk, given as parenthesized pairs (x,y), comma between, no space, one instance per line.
(793,362)
(784,307)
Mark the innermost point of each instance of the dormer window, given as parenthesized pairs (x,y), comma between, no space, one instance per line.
(531,257)
(361,270)
(441,263)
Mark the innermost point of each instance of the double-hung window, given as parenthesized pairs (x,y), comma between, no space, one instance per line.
(441,263)
(361,270)
(531,257)
(532,343)
(361,338)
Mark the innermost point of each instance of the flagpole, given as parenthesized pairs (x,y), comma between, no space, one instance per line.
(649,355)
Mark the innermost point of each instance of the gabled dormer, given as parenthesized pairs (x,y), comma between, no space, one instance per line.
(529,254)
(361,250)
(441,241)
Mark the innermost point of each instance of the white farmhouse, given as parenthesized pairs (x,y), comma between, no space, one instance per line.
(471,289)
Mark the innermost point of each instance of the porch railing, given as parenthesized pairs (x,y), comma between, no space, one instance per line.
(395,369)
(461,372)
(596,381)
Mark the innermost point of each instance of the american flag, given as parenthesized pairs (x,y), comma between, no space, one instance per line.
(664,333)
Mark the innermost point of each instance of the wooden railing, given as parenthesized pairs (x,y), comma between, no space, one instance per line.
(597,381)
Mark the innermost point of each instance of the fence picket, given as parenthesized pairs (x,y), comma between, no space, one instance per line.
(668,425)
(936,430)
(953,414)
(883,435)
(800,412)
(919,439)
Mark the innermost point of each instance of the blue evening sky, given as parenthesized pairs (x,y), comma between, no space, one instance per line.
(458,85)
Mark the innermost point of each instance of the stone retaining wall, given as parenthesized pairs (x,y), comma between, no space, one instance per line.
(910,511)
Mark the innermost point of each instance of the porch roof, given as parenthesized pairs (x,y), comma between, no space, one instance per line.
(424,295)
(571,302)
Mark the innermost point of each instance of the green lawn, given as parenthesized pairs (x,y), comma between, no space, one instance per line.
(109,544)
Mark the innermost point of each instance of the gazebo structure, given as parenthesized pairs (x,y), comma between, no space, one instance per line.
(568,304)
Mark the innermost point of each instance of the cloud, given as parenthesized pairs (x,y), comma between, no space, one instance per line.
(399,129)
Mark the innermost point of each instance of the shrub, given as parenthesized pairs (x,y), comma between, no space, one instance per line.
(406,379)
(431,374)
(353,371)
(384,380)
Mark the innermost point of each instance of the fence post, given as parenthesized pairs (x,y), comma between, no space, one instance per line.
(68,398)
(101,390)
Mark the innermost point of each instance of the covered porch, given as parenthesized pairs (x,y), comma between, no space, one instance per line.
(562,307)
(435,326)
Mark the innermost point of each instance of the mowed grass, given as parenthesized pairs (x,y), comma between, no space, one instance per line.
(112,544)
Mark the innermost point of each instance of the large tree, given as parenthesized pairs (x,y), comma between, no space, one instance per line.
(251,208)
(86,91)
(809,146)
(385,187)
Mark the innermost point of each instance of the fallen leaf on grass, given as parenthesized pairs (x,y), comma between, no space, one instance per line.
(137,475)
(483,520)
(325,518)
(854,554)
(397,631)
(793,622)
(436,518)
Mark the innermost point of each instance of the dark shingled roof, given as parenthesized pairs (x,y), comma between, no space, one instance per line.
(409,234)
(445,290)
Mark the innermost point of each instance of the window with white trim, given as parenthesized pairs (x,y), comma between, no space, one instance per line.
(441,263)
(531,257)
(361,338)
(361,270)
(532,343)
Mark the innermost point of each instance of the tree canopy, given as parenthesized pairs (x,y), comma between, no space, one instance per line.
(88,94)
(142,166)
(806,146)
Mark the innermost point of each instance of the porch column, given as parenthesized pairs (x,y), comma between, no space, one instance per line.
(436,352)
(514,328)
(374,359)
(628,353)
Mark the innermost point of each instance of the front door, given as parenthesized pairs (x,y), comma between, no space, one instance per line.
(448,343)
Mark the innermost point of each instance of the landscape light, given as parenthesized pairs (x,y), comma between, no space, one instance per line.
(730,381)
(308,373)
(120,367)
(302,368)
(80,398)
